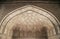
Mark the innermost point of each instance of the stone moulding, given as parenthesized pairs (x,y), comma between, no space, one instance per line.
(29,8)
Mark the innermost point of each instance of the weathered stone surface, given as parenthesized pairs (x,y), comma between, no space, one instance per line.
(30,24)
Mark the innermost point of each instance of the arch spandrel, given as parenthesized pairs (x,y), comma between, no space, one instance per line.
(29,12)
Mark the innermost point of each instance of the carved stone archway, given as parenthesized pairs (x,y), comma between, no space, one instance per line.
(29,18)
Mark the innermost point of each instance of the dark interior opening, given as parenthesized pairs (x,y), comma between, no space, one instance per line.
(16,33)
(42,34)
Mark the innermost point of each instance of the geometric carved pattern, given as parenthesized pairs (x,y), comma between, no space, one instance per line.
(29,21)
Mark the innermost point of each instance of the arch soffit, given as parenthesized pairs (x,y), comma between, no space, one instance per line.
(39,10)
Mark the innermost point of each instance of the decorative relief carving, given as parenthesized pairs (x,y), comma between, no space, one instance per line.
(29,21)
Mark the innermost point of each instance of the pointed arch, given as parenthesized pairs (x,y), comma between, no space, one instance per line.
(29,9)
